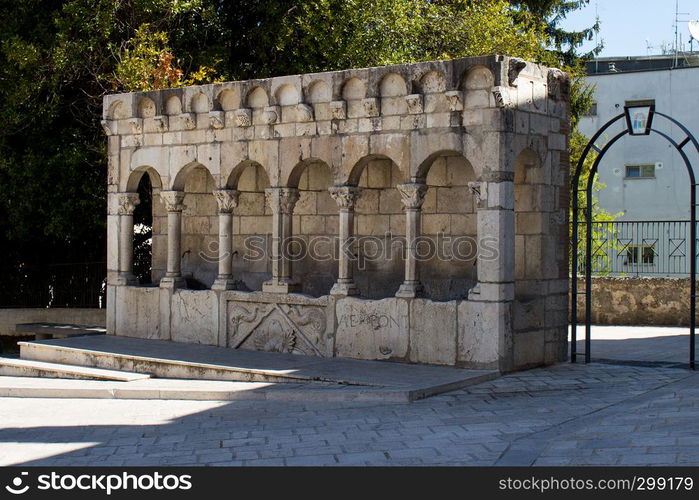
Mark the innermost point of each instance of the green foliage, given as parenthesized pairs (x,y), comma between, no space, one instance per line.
(59,57)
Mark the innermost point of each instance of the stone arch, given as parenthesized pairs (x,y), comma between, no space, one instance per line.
(433,82)
(117,111)
(173,106)
(393,85)
(252,225)
(319,91)
(146,108)
(200,103)
(199,244)
(236,173)
(149,245)
(315,227)
(178,183)
(287,95)
(379,226)
(448,247)
(228,99)
(257,98)
(357,171)
(353,89)
(135,178)
(478,78)
(294,177)
(424,167)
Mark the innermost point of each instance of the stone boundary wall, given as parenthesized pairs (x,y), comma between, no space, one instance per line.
(637,301)
(9,318)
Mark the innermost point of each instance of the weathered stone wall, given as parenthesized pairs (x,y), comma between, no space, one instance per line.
(380,223)
(465,148)
(199,230)
(252,219)
(637,301)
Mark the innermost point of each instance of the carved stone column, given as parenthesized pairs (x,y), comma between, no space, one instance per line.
(281,201)
(227,200)
(412,196)
(127,205)
(173,204)
(346,198)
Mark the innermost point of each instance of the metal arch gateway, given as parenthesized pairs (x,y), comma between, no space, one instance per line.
(641,123)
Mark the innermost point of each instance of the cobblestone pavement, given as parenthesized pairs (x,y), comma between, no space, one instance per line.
(561,415)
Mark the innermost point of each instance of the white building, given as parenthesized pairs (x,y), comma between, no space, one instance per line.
(645,177)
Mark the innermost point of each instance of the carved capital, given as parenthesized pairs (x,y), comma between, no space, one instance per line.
(345,196)
(412,195)
(227,200)
(173,200)
(127,203)
(281,200)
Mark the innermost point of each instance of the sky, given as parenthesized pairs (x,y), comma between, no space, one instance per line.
(627,24)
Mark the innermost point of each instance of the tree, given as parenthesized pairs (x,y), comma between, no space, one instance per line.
(59,57)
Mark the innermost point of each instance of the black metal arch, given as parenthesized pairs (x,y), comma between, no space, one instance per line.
(588,224)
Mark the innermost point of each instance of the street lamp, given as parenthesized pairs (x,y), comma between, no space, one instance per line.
(639,116)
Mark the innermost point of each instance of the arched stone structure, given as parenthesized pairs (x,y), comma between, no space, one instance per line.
(392,155)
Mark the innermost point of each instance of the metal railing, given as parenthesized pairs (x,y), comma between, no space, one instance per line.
(81,284)
(637,248)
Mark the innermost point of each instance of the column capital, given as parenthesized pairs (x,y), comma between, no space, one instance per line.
(281,199)
(412,195)
(227,200)
(345,196)
(127,203)
(173,200)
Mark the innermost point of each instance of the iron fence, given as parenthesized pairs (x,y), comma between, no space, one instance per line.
(81,284)
(637,248)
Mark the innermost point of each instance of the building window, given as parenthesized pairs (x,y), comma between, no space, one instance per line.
(646,171)
(592,111)
(641,254)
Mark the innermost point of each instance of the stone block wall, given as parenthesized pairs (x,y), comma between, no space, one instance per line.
(637,301)
(403,155)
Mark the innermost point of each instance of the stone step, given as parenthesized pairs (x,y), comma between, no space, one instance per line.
(172,360)
(196,390)
(11,367)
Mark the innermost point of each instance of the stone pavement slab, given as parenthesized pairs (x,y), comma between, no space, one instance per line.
(637,344)
(597,414)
